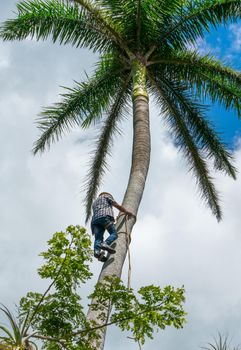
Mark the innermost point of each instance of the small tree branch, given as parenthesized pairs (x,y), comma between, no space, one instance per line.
(136,340)
(44,337)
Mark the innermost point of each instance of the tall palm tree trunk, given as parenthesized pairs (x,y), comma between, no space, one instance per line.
(139,169)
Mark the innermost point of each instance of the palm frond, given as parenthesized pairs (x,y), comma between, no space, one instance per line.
(207,76)
(105,19)
(138,24)
(7,332)
(11,319)
(225,94)
(196,17)
(123,12)
(24,323)
(15,337)
(98,162)
(184,140)
(156,15)
(221,343)
(62,21)
(129,17)
(193,59)
(201,129)
(139,21)
(209,139)
(82,104)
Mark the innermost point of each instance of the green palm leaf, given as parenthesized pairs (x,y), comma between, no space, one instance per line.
(184,140)
(105,19)
(221,343)
(123,14)
(195,63)
(63,21)
(7,332)
(201,129)
(82,105)
(204,74)
(195,17)
(16,337)
(24,323)
(14,326)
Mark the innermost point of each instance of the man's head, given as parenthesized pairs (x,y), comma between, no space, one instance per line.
(104,193)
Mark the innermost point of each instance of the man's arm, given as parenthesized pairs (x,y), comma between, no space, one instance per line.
(123,210)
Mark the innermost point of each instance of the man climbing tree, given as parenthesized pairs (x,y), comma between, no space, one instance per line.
(103,219)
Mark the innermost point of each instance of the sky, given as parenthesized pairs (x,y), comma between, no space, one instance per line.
(175,241)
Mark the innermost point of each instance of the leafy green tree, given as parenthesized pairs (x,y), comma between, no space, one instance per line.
(143,47)
(57,318)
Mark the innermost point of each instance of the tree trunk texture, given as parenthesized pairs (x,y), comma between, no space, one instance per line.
(133,195)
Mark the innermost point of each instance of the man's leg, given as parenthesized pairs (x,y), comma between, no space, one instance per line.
(112,231)
(98,232)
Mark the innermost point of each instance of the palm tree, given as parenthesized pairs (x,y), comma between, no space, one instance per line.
(144,49)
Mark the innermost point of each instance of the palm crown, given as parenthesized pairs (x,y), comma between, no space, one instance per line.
(143,46)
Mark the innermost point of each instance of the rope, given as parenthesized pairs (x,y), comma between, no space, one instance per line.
(128,239)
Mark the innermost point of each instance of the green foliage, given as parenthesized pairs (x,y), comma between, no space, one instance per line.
(56,317)
(67,259)
(152,308)
(194,18)
(221,343)
(204,75)
(14,337)
(58,19)
(82,105)
(60,313)
(194,135)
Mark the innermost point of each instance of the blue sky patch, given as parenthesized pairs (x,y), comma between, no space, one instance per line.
(225,44)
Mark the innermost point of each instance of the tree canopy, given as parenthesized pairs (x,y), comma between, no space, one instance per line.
(56,317)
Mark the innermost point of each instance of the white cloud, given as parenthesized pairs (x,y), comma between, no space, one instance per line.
(204,48)
(4,63)
(235,30)
(4,56)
